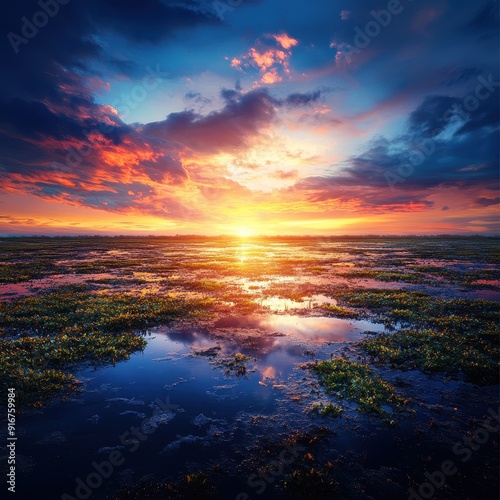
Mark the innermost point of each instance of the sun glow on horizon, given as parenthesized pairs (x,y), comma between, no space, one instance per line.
(244,232)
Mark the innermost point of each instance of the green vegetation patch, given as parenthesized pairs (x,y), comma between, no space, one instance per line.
(387,276)
(466,278)
(25,271)
(454,336)
(44,337)
(474,356)
(75,309)
(422,310)
(340,312)
(328,410)
(235,364)
(347,379)
(35,365)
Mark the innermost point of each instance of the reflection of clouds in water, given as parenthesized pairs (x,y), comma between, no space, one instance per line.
(188,335)
(319,329)
(268,373)
(263,336)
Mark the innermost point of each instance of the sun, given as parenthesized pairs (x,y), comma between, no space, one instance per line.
(244,232)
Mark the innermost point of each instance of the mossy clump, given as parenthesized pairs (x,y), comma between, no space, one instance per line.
(357,382)
(328,410)
(386,276)
(25,271)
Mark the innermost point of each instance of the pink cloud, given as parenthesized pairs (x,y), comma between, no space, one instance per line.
(271,58)
(236,63)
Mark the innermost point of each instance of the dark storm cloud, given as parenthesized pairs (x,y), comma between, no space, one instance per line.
(34,119)
(71,43)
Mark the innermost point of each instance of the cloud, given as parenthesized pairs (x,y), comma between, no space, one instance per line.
(286,174)
(271,56)
(59,142)
(463,157)
(434,115)
(233,128)
(197,98)
(487,202)
(285,41)
(302,99)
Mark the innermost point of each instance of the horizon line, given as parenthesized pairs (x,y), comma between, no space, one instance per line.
(254,236)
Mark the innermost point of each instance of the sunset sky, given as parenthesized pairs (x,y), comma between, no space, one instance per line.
(249,116)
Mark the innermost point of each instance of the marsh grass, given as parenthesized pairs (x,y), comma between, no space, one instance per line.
(25,271)
(387,276)
(328,410)
(454,336)
(347,379)
(340,311)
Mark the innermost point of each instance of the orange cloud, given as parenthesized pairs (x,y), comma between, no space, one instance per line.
(271,77)
(285,41)
(271,59)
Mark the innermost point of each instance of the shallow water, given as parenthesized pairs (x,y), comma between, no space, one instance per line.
(207,412)
(202,412)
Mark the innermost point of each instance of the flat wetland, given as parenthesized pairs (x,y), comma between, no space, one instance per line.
(252,368)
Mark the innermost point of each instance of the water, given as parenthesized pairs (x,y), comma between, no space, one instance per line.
(199,410)
(206,412)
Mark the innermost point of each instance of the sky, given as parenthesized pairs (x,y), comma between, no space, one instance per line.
(247,117)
